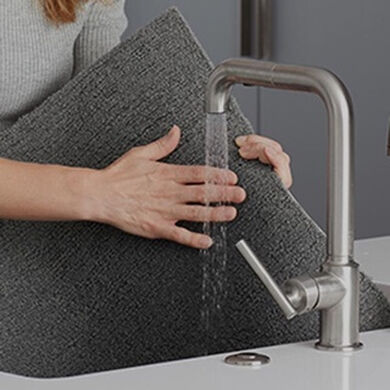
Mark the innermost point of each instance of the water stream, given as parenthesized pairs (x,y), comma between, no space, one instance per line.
(215,258)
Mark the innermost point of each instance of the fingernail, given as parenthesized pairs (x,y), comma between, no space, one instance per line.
(231,213)
(241,139)
(242,194)
(206,242)
(234,178)
(174,128)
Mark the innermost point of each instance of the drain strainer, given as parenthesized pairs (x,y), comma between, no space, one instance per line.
(248,359)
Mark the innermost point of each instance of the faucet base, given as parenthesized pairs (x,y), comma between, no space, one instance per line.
(331,348)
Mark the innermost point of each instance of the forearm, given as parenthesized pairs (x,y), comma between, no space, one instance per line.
(44,192)
(136,193)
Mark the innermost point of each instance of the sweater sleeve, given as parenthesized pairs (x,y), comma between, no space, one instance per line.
(102,29)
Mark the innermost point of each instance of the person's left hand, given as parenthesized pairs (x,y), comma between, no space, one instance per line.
(268,151)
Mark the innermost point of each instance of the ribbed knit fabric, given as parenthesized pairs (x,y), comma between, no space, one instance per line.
(38,57)
(82,297)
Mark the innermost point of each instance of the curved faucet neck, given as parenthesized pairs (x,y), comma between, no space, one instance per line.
(340,215)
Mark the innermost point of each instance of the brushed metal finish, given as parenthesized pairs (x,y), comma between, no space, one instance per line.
(339,324)
(301,294)
(247,359)
(337,101)
(307,292)
(273,288)
(338,285)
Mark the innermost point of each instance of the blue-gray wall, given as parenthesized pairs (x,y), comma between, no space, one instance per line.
(352,38)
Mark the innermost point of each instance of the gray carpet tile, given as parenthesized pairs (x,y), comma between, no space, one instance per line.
(79,297)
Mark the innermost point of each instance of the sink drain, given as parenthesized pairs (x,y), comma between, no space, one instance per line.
(248,359)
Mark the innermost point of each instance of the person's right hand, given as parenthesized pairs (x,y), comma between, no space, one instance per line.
(145,197)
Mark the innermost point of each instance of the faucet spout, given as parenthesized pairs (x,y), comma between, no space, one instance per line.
(337,288)
(340,123)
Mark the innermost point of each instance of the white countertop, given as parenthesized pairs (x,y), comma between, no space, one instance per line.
(293,366)
(373,255)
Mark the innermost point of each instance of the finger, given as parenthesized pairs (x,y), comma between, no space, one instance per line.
(199,174)
(281,165)
(210,193)
(205,214)
(254,138)
(161,147)
(188,238)
(255,151)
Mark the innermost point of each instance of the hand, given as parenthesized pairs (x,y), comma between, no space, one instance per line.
(267,151)
(145,197)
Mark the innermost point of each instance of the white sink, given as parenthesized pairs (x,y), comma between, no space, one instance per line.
(373,255)
(293,366)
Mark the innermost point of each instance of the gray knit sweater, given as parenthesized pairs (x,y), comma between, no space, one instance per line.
(38,57)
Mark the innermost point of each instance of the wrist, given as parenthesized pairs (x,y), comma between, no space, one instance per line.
(82,183)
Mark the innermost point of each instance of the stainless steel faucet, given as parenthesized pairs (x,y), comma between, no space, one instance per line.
(335,289)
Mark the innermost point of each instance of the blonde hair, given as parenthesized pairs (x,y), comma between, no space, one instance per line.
(61,11)
(64,11)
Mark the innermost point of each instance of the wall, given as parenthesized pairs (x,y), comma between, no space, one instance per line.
(350,37)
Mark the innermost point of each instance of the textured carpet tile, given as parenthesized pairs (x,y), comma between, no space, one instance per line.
(80,297)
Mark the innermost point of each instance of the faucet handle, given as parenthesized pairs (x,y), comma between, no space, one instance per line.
(276,292)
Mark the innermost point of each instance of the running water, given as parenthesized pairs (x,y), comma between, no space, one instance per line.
(215,258)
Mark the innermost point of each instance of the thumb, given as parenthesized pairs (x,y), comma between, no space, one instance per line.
(163,146)
(281,165)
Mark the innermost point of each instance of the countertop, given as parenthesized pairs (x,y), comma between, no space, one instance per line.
(292,366)
(373,255)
